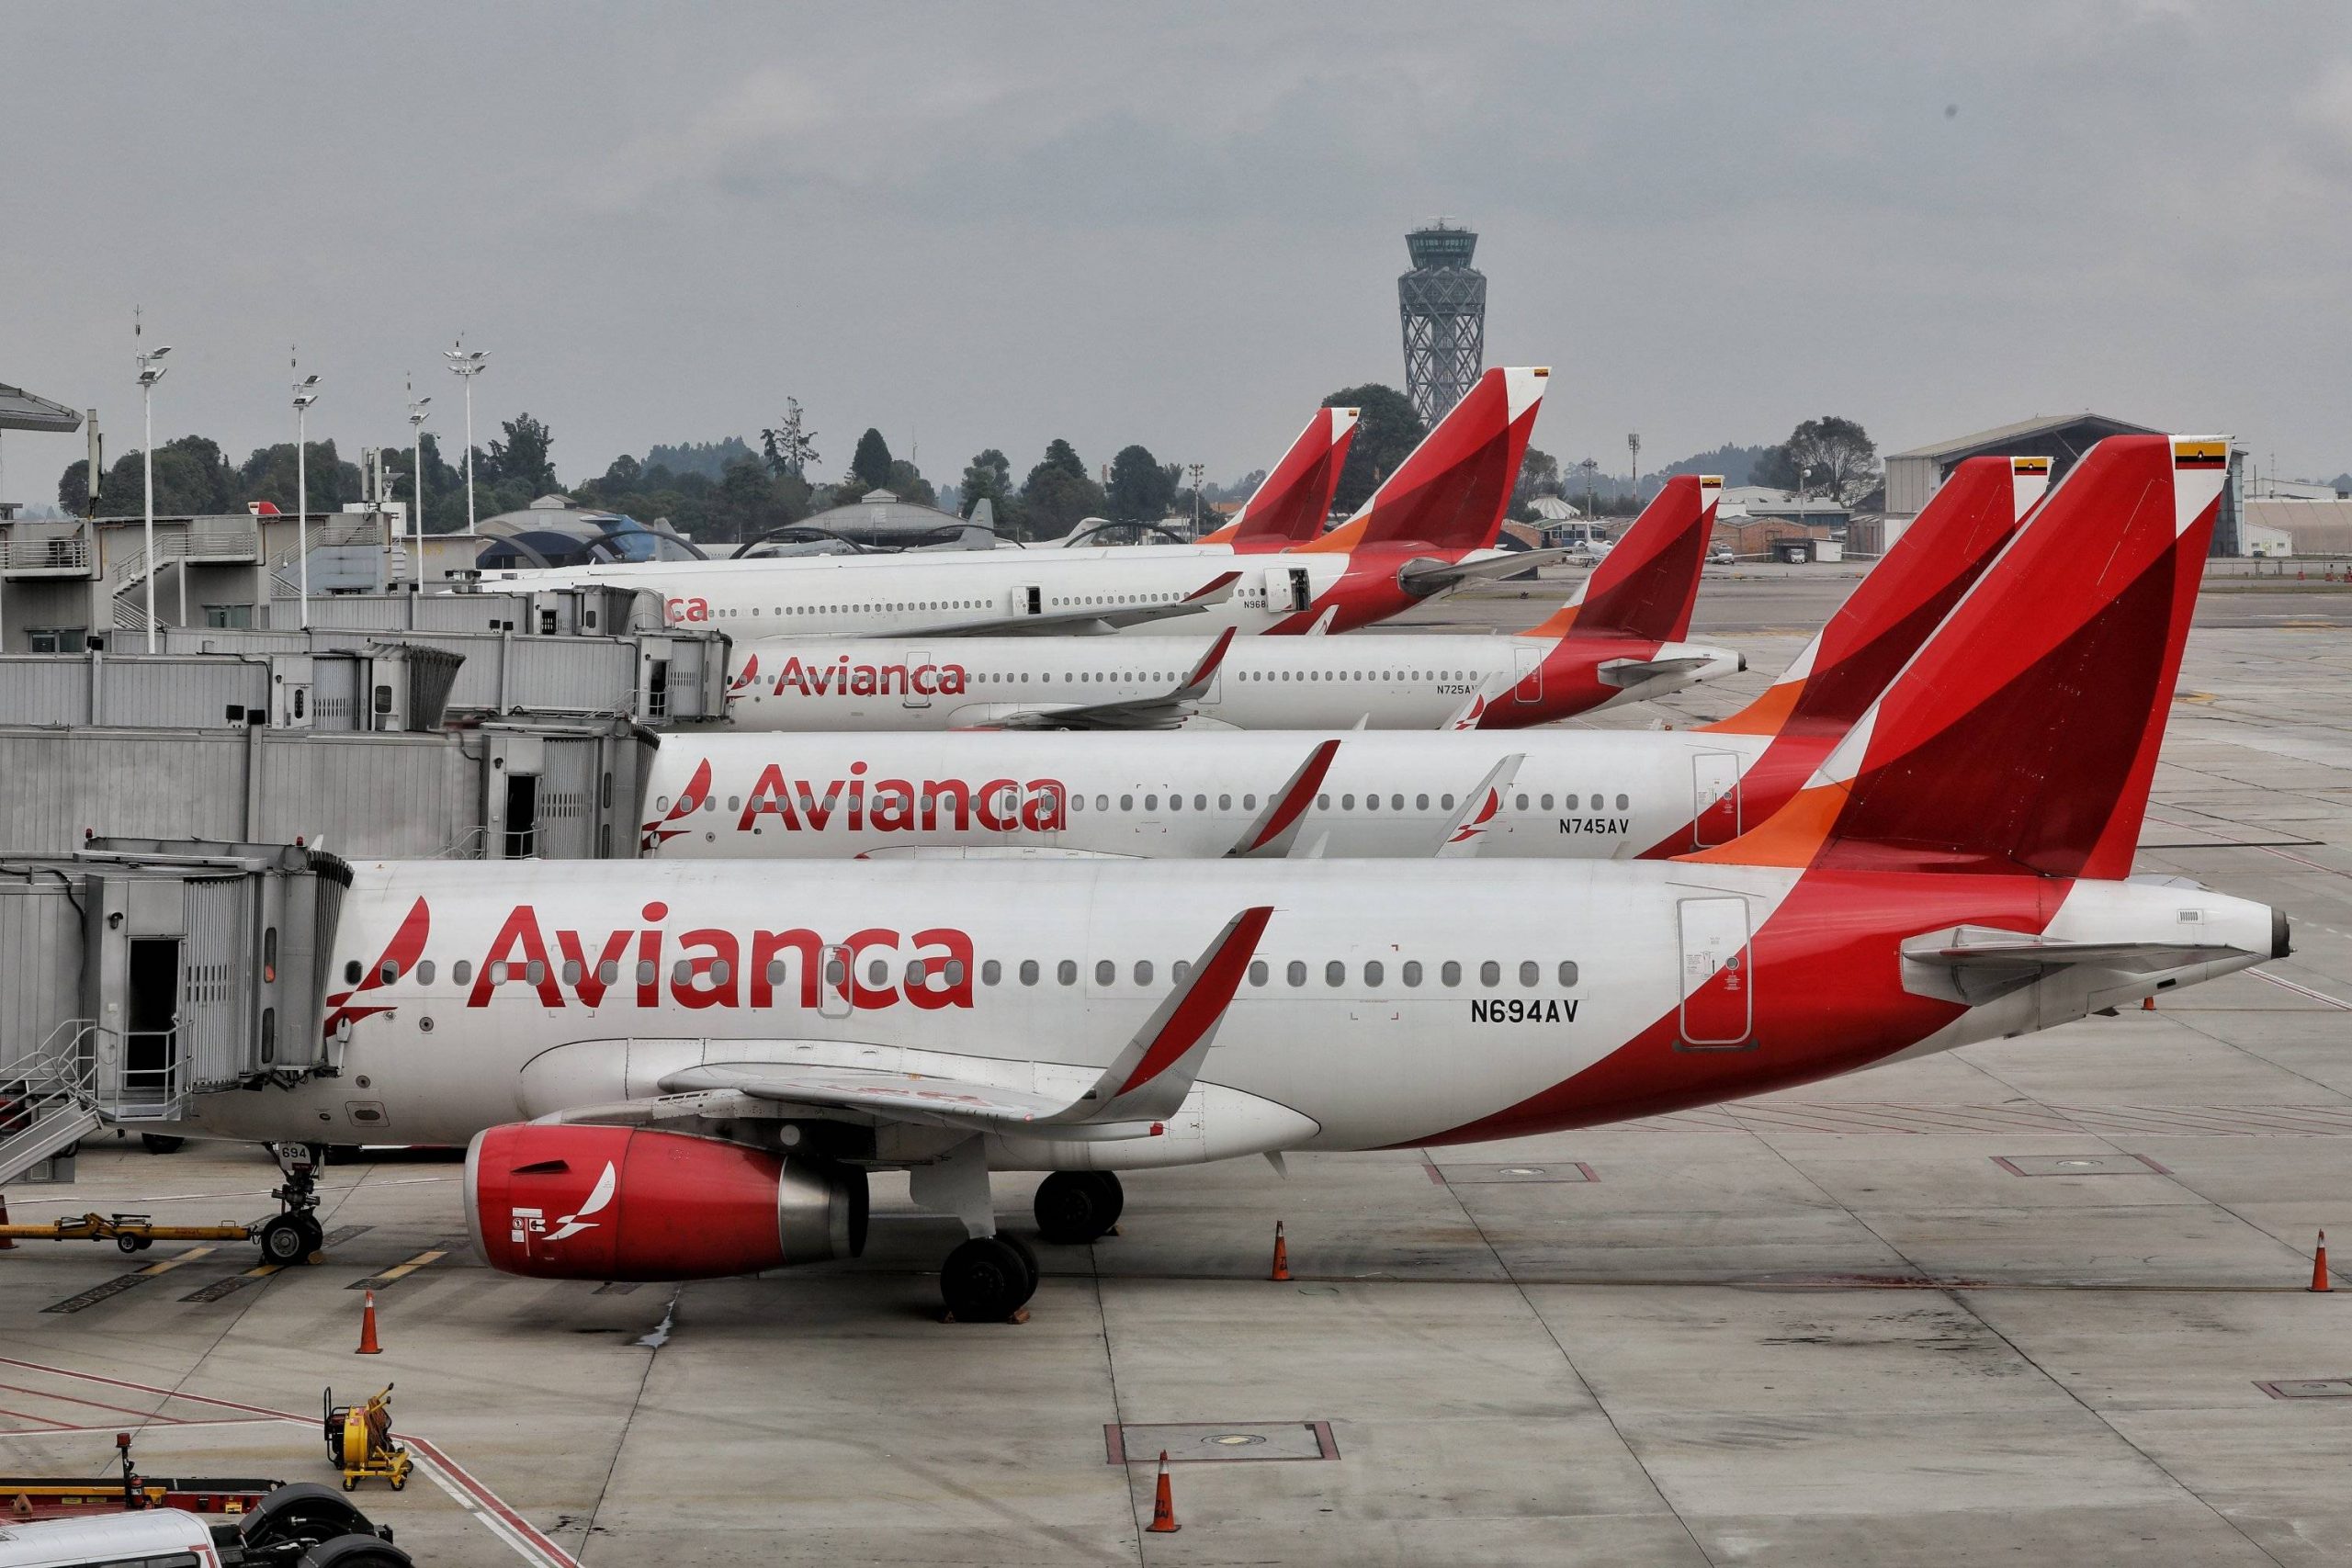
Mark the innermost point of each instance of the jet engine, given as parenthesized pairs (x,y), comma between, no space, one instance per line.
(588,1202)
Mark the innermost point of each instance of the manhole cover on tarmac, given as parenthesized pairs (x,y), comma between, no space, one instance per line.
(1525,1171)
(2079,1165)
(2306,1388)
(1215,1442)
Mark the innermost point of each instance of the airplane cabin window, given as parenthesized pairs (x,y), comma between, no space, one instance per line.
(570,971)
(1257,971)
(1225,803)
(1346,803)
(1531,972)
(1546,803)
(1490,973)
(1323,803)
(1567,972)
(1102,803)
(461,972)
(1200,802)
(1175,803)
(1180,970)
(608,971)
(775,972)
(389,972)
(1151,803)
(877,974)
(1335,974)
(953,971)
(1126,803)
(1522,803)
(424,971)
(916,971)
(1411,972)
(1373,972)
(1622,803)
(1421,803)
(1028,971)
(1296,973)
(1446,803)
(680,973)
(1451,974)
(1105,972)
(1143,971)
(497,969)
(1249,803)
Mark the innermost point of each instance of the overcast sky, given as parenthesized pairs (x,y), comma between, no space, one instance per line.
(984,225)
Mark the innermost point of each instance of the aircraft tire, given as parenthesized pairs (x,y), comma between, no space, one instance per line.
(1075,1207)
(986,1280)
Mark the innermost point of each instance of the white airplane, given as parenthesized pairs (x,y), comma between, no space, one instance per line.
(1578,794)
(1428,528)
(1617,641)
(688,1070)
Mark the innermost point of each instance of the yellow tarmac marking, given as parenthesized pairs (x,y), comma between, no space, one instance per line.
(412,1266)
(168,1264)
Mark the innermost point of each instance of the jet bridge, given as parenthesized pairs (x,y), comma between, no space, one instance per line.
(145,972)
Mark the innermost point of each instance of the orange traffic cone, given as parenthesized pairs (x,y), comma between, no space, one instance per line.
(367,1344)
(2319,1265)
(8,1242)
(1163,1504)
(2148,1004)
(1281,1254)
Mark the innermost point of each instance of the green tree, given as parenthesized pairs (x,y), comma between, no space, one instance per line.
(1840,452)
(905,481)
(1141,488)
(1058,492)
(871,467)
(1385,437)
(989,477)
(192,479)
(1539,474)
(521,458)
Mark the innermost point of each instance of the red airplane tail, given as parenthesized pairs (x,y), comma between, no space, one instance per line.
(1882,624)
(1290,507)
(2022,736)
(1645,587)
(1450,492)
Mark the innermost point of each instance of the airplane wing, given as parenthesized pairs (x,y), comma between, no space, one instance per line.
(1479,809)
(1094,620)
(1423,578)
(1161,710)
(1145,1083)
(1276,828)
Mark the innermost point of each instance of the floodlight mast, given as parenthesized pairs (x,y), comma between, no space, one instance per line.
(150,370)
(305,392)
(416,418)
(467,364)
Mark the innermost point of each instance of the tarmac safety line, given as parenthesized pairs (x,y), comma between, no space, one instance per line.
(399,1271)
(2285,984)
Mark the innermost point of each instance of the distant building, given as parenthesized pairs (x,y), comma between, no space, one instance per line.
(1443,305)
(1763,501)
(2308,527)
(556,531)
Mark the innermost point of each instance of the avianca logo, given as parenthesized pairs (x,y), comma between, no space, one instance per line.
(529,1223)
(843,679)
(400,955)
(902,806)
(712,966)
(1468,718)
(689,801)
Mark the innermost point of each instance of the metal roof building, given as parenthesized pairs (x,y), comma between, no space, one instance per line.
(20,409)
(1912,476)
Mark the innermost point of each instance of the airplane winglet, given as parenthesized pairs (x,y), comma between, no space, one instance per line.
(1215,590)
(1479,809)
(1469,714)
(1276,828)
(1151,1076)
(1196,684)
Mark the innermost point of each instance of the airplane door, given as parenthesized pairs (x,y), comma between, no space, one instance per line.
(917,660)
(1289,589)
(1718,990)
(1029,599)
(1049,805)
(1527,674)
(1714,798)
(832,995)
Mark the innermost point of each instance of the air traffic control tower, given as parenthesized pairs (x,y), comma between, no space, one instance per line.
(1444,303)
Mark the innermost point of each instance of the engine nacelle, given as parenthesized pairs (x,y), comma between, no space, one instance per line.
(588,1202)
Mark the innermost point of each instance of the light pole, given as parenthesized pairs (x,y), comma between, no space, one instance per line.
(416,418)
(1633,445)
(1198,470)
(467,364)
(305,392)
(150,372)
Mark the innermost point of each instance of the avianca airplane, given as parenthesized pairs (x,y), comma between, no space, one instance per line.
(1294,503)
(688,1070)
(1575,795)
(1428,528)
(1618,641)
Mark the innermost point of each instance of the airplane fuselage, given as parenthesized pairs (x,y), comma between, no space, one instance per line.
(1400,680)
(1387,1003)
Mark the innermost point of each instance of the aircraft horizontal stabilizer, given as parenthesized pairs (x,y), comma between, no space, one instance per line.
(1424,578)
(1977,964)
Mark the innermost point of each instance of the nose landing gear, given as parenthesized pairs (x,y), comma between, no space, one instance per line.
(295,1235)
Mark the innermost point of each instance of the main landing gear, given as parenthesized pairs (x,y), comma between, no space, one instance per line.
(989,1277)
(295,1235)
(1075,1207)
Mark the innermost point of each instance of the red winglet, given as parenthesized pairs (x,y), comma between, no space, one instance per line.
(1206,998)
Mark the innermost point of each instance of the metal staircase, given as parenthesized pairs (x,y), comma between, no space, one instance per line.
(49,1099)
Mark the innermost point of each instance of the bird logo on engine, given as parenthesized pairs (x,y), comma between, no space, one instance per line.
(528,1222)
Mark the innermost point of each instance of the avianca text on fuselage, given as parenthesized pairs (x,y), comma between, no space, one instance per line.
(845,678)
(708,967)
(859,804)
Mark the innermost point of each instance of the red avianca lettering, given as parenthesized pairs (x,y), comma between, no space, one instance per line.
(903,805)
(712,966)
(843,679)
